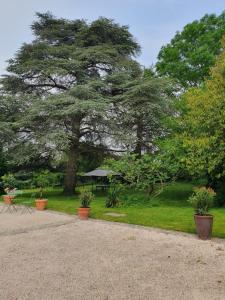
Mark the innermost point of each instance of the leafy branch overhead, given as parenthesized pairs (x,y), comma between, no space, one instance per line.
(192,52)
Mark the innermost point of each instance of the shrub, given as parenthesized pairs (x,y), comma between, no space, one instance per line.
(85,198)
(42,181)
(47,179)
(112,198)
(26,179)
(219,187)
(9,181)
(149,173)
(202,200)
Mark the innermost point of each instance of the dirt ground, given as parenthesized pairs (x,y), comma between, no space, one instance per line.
(47,255)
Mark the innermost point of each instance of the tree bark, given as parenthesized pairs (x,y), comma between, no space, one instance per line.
(73,155)
(71,170)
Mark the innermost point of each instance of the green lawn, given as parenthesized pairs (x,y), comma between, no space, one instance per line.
(170,210)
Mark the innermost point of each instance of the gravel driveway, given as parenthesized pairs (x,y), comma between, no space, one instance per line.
(54,256)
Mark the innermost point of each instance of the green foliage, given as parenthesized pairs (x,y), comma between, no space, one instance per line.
(85,198)
(202,200)
(62,80)
(219,187)
(149,173)
(112,199)
(24,179)
(45,179)
(3,163)
(27,180)
(149,72)
(202,125)
(192,52)
(3,168)
(9,181)
(91,157)
(10,108)
(140,110)
(42,179)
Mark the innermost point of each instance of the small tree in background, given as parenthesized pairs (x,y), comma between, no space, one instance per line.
(42,180)
(9,181)
(149,173)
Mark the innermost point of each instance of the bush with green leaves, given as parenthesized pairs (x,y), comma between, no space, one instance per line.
(202,200)
(46,178)
(112,197)
(150,172)
(27,180)
(9,181)
(85,198)
(42,180)
(220,192)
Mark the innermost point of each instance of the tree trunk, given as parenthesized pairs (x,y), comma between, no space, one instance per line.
(71,171)
(73,154)
(150,190)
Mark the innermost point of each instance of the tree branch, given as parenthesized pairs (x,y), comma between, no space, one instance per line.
(58,86)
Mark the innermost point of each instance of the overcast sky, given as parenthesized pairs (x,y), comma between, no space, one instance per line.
(152,22)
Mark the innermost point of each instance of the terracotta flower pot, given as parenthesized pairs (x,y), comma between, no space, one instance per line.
(41,204)
(83,212)
(8,199)
(204,226)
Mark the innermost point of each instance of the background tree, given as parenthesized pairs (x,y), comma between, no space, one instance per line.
(91,157)
(3,168)
(63,73)
(9,110)
(192,52)
(149,173)
(139,109)
(203,127)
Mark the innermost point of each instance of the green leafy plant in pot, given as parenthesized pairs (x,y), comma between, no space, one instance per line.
(9,183)
(202,200)
(85,199)
(42,181)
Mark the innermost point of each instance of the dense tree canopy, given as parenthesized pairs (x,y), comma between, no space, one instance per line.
(62,75)
(77,87)
(192,52)
(149,172)
(203,126)
(139,110)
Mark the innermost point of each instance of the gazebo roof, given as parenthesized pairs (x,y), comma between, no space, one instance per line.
(101,173)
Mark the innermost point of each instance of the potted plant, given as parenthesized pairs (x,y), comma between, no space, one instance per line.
(41,182)
(9,183)
(40,202)
(202,200)
(10,195)
(85,199)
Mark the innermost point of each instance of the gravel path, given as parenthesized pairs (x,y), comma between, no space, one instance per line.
(47,256)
